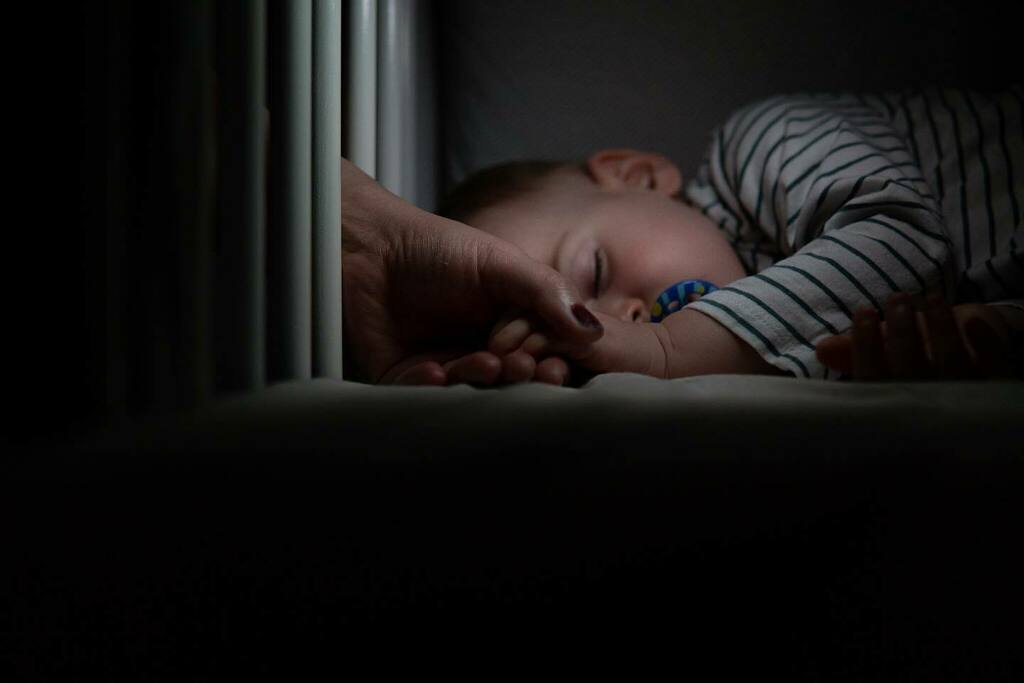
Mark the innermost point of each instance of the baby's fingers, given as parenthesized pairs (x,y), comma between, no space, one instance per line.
(520,347)
(517,367)
(537,344)
(553,370)
(509,334)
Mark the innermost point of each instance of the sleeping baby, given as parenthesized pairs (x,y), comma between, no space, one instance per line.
(824,236)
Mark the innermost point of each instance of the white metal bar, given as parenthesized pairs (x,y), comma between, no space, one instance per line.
(117,212)
(327,188)
(361,124)
(424,123)
(240,271)
(291,334)
(395,97)
(181,373)
(203,216)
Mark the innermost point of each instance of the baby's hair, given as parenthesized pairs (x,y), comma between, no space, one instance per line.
(495,184)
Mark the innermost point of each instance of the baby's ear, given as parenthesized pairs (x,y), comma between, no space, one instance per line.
(618,169)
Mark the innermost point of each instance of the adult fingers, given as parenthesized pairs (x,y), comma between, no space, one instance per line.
(868,361)
(949,357)
(904,346)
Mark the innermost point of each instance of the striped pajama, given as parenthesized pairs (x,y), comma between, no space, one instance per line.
(835,202)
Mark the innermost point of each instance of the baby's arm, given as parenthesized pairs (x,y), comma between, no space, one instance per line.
(685,344)
(699,345)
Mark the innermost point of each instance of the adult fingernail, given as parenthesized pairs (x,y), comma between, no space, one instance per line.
(585,317)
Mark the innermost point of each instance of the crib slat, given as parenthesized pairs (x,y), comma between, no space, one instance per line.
(327,188)
(405,101)
(116,370)
(361,113)
(199,244)
(240,284)
(181,371)
(395,95)
(289,238)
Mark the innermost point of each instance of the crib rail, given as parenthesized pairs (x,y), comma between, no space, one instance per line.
(241,153)
(327,115)
(361,110)
(215,262)
(222,213)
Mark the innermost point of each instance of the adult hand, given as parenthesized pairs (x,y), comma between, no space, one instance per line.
(421,292)
(968,341)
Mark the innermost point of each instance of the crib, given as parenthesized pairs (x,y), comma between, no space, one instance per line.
(220,499)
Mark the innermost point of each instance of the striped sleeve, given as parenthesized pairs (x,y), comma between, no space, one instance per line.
(824,203)
(975,161)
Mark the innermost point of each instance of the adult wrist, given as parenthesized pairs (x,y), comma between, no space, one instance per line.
(360,209)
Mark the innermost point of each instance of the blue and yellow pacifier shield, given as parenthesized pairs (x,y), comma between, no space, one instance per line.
(675,297)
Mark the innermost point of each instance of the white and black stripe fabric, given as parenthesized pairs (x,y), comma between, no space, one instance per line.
(837,201)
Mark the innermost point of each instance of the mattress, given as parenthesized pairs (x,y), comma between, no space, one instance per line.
(815,529)
(660,419)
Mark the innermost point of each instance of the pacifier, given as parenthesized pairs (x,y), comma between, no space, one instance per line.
(675,297)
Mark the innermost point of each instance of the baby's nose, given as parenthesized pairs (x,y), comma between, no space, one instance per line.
(632,310)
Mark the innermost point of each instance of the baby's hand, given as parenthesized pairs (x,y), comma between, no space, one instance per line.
(968,341)
(521,362)
(624,347)
(478,368)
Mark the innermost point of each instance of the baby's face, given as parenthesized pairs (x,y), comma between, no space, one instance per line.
(621,248)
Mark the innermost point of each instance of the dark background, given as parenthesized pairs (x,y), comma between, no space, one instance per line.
(184,564)
(536,79)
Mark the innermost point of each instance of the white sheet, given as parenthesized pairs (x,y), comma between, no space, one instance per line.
(714,414)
